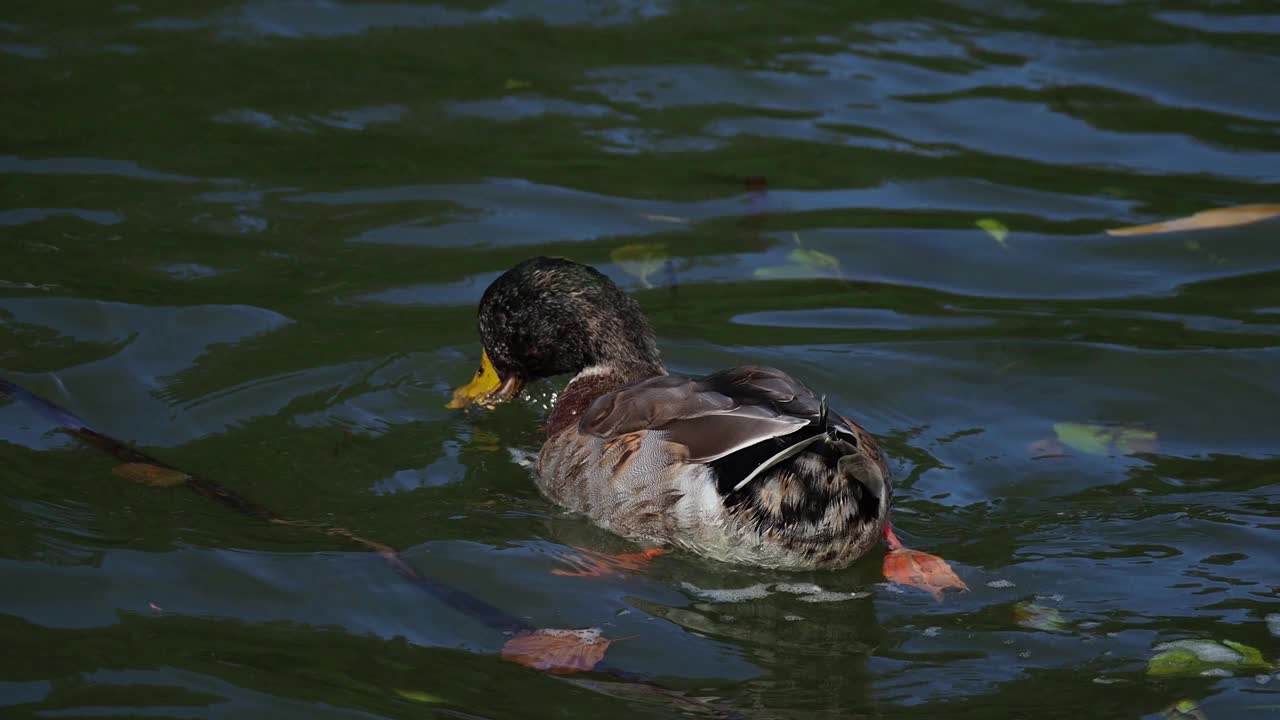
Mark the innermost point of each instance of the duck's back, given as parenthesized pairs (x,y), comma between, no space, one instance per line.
(742,465)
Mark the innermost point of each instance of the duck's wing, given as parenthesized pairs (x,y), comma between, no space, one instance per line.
(712,416)
(675,459)
(638,452)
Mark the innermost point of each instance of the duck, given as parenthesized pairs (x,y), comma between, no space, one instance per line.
(744,465)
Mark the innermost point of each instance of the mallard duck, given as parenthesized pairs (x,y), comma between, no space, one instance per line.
(744,465)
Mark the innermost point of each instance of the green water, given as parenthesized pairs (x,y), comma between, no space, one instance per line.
(249,238)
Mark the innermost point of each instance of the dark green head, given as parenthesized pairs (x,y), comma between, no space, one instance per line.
(550,316)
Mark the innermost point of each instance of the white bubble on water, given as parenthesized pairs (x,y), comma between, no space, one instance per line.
(523,458)
(797,588)
(728,595)
(829,596)
(1206,650)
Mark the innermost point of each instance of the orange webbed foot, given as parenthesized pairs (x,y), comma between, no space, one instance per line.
(919,569)
(589,563)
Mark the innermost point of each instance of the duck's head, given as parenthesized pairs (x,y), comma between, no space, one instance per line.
(551,316)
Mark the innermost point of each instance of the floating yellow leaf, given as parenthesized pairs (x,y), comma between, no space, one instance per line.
(1185,709)
(1098,439)
(149,474)
(803,262)
(995,229)
(517,84)
(1091,439)
(815,260)
(1135,440)
(418,696)
(640,260)
(1205,220)
(1199,657)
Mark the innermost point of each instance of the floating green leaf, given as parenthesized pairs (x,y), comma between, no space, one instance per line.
(1185,709)
(1099,439)
(1085,438)
(419,696)
(996,229)
(778,272)
(1200,657)
(1134,440)
(1039,617)
(802,262)
(640,260)
(1252,656)
(815,259)
(517,84)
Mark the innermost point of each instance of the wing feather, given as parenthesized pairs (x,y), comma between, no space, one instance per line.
(713,416)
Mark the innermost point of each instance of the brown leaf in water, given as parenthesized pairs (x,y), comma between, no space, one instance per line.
(557,650)
(922,570)
(1205,220)
(149,474)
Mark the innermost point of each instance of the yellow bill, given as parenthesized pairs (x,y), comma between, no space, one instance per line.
(484,384)
(487,388)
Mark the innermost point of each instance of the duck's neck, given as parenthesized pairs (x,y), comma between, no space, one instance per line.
(589,384)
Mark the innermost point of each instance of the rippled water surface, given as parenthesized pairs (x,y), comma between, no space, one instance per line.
(249,238)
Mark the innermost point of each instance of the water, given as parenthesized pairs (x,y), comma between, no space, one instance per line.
(249,238)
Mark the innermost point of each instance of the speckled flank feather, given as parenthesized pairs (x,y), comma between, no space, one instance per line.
(656,461)
(626,484)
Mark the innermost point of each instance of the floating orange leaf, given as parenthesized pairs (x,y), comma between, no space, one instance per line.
(149,474)
(1205,220)
(922,570)
(594,564)
(557,650)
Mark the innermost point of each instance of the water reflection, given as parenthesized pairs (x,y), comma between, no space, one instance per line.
(249,236)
